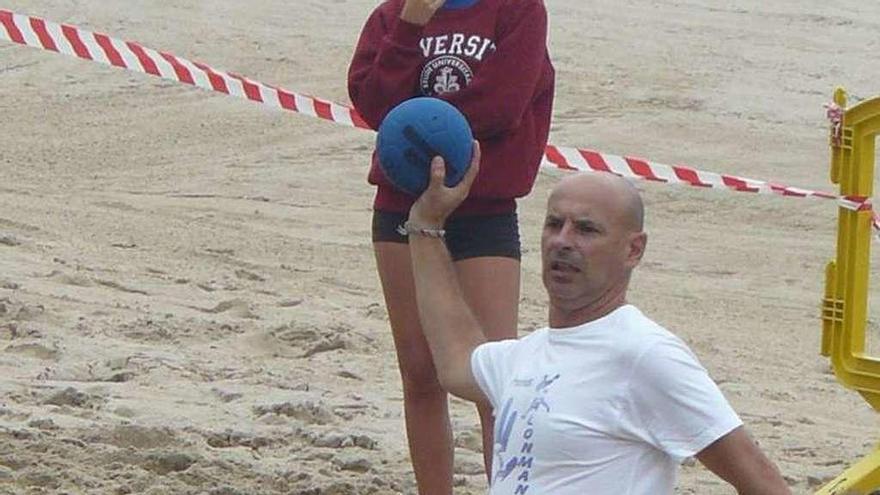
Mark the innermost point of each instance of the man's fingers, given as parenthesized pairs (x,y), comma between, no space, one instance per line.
(476,155)
(438,172)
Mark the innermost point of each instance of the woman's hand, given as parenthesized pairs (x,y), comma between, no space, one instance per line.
(419,12)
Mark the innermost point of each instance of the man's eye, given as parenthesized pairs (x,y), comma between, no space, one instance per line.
(552,223)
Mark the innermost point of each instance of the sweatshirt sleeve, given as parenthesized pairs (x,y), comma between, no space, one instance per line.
(385,67)
(502,90)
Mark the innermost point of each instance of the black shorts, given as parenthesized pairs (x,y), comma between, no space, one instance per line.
(466,236)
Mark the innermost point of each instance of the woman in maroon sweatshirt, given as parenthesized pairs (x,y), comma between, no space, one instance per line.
(488,58)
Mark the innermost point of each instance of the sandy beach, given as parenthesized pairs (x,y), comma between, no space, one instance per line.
(188,297)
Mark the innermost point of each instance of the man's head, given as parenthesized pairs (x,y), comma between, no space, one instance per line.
(591,242)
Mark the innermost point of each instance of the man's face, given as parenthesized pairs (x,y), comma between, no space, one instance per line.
(587,245)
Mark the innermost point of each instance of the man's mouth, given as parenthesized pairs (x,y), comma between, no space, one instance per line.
(561,266)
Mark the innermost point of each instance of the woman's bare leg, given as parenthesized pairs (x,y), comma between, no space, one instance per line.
(425,403)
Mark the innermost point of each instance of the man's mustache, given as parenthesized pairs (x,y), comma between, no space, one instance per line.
(566,256)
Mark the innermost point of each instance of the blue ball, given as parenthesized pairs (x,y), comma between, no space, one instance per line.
(416,131)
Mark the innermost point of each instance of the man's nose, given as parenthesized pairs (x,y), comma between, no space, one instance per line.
(562,238)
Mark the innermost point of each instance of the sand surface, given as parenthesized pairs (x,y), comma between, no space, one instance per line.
(188,302)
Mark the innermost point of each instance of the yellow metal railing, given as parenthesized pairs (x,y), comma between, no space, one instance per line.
(845,306)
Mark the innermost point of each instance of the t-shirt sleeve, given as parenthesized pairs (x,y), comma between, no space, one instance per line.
(675,405)
(492,366)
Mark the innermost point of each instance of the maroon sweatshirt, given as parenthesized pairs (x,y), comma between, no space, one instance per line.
(490,60)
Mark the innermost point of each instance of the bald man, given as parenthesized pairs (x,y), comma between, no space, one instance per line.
(604,400)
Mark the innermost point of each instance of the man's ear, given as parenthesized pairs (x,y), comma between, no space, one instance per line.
(638,242)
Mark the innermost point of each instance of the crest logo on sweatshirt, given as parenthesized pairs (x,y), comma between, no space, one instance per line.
(446,74)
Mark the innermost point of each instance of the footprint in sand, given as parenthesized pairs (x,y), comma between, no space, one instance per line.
(231,439)
(18,225)
(305,410)
(11,310)
(135,436)
(75,280)
(346,286)
(471,440)
(116,205)
(33,350)
(469,466)
(78,280)
(312,340)
(95,371)
(9,240)
(163,463)
(290,303)
(73,398)
(351,461)
(339,440)
(247,275)
(121,288)
(226,396)
(238,308)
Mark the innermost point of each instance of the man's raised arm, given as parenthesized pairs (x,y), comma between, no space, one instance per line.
(450,327)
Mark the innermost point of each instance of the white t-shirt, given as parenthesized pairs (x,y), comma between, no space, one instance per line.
(611,406)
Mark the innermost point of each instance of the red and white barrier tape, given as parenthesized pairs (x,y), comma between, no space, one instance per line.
(835,116)
(80,43)
(857,203)
(582,159)
(70,40)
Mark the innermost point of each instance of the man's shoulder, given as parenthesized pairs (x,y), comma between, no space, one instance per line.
(532,338)
(524,342)
(637,333)
(638,322)
(653,347)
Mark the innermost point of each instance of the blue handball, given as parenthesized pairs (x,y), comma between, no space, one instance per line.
(416,131)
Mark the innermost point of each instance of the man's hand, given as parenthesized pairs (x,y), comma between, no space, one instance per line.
(419,12)
(438,201)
